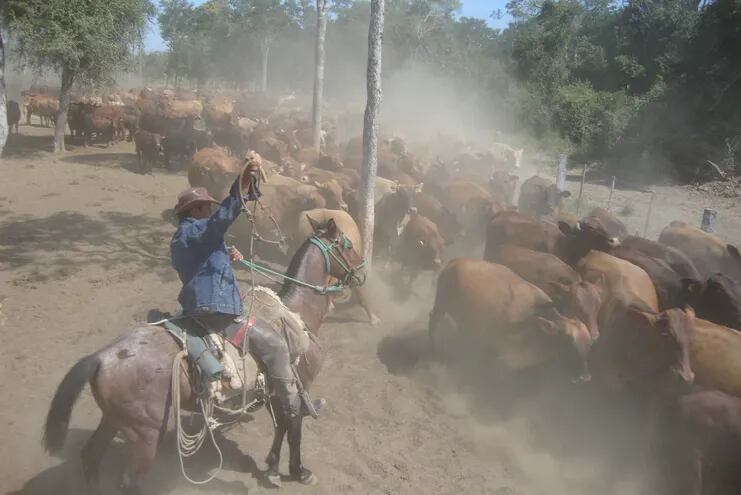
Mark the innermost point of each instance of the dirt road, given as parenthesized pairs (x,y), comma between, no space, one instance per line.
(84,255)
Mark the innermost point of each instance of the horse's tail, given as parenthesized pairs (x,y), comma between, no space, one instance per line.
(57,421)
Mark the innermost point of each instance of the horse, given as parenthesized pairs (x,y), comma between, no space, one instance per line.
(131,377)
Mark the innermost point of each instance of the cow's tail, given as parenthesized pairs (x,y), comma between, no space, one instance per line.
(57,421)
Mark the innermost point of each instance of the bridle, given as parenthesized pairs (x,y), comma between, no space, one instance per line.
(336,249)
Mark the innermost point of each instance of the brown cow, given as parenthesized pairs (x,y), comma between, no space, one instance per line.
(572,296)
(642,348)
(622,279)
(540,197)
(707,251)
(671,289)
(446,221)
(718,299)
(569,243)
(148,147)
(507,316)
(420,246)
(612,224)
(390,213)
(716,357)
(676,259)
(708,432)
(213,169)
(312,218)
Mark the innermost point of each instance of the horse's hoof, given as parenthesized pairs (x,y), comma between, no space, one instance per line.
(305,477)
(273,479)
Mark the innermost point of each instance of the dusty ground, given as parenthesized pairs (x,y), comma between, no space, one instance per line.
(84,255)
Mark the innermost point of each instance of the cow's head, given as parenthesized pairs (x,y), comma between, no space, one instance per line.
(586,235)
(718,298)
(503,185)
(332,192)
(574,338)
(580,300)
(653,349)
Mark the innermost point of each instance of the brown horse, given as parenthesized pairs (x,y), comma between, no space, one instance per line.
(131,378)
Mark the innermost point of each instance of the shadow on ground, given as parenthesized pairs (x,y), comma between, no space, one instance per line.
(56,246)
(165,476)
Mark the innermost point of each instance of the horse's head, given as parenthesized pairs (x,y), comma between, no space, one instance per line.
(341,258)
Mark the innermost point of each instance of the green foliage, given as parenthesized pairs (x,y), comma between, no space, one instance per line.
(91,40)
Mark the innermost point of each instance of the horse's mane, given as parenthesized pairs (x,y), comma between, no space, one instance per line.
(294,266)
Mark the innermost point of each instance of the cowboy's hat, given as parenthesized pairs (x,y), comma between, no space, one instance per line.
(192,196)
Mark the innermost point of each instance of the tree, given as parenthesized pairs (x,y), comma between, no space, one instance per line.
(3,99)
(321,33)
(370,125)
(86,42)
(263,21)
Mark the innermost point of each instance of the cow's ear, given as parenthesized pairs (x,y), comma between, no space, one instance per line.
(733,251)
(558,289)
(546,326)
(332,230)
(315,226)
(693,286)
(565,228)
(318,185)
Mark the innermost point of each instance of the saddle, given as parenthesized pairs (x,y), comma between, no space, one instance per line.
(220,351)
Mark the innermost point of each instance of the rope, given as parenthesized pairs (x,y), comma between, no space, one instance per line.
(267,272)
(189,444)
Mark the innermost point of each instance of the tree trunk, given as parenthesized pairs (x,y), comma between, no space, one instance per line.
(370,125)
(321,33)
(3,101)
(265,52)
(68,77)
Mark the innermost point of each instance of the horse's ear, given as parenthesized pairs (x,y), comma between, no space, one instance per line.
(314,224)
(331,228)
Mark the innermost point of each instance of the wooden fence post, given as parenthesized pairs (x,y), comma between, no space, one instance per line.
(650,211)
(612,190)
(561,172)
(709,216)
(581,189)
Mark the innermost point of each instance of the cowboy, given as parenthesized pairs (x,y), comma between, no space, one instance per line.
(210,293)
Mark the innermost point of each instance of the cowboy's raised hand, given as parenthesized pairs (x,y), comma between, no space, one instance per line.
(234,254)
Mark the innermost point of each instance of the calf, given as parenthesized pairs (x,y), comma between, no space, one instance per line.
(14,116)
(506,316)
(148,147)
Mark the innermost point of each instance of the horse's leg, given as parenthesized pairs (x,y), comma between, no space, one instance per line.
(93,451)
(363,300)
(141,452)
(273,459)
(297,470)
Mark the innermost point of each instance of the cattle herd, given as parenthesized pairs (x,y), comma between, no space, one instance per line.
(658,321)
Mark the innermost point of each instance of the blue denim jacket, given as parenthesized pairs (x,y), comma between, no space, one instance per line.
(200,257)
